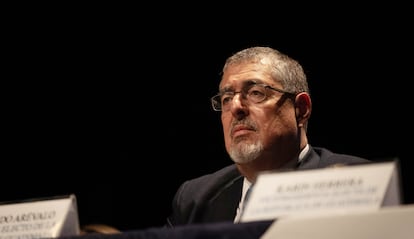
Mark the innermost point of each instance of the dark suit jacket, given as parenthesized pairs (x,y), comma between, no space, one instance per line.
(215,197)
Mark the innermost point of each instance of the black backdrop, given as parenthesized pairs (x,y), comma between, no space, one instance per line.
(113,105)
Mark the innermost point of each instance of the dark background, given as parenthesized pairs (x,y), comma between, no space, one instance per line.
(111,103)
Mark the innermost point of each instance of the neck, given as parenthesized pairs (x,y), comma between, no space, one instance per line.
(252,169)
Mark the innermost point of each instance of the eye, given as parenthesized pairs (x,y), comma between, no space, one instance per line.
(256,93)
(226,98)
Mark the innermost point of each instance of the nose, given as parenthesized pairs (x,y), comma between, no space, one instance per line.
(238,105)
(237,100)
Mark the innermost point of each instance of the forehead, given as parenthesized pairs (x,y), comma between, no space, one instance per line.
(242,74)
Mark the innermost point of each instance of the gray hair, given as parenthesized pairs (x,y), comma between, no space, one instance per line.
(283,69)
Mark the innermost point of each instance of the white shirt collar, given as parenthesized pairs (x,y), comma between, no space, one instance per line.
(247,184)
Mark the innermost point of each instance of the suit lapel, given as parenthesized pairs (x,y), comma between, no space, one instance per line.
(223,206)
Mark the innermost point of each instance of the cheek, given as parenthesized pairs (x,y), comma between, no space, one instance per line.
(226,125)
(280,121)
(284,123)
(225,122)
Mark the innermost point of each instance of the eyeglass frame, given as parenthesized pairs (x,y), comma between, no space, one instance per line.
(245,93)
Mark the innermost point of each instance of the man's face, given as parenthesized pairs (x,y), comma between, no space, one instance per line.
(256,130)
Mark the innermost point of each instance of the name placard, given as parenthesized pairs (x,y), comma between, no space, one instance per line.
(321,191)
(39,218)
(394,222)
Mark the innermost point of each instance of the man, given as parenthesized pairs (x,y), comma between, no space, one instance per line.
(265,106)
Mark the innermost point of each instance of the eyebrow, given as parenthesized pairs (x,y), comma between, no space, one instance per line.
(245,83)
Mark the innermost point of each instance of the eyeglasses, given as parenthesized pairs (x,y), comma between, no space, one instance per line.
(255,93)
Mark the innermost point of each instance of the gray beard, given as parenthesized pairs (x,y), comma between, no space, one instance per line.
(244,152)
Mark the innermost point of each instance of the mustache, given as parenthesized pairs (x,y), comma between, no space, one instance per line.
(245,123)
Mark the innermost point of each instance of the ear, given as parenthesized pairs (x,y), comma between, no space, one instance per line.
(303,108)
